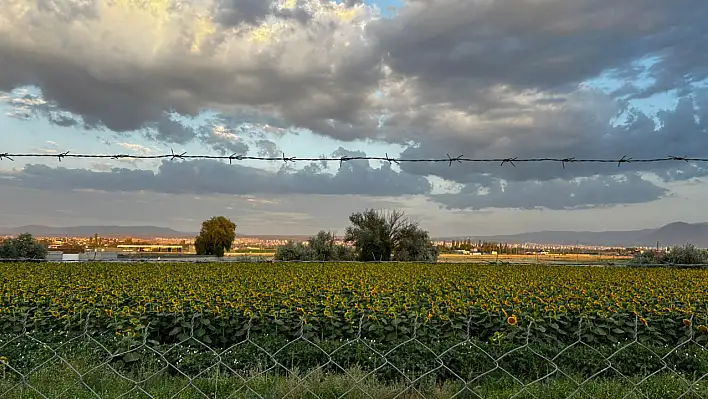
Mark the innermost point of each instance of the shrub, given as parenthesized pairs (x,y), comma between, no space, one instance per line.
(686,255)
(320,247)
(293,251)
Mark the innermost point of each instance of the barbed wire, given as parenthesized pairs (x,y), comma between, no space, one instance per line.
(386,158)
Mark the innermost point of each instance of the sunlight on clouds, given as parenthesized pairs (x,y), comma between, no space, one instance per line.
(16,9)
(261,34)
(344,14)
(141,149)
(164,26)
(159,9)
(203,27)
(225,133)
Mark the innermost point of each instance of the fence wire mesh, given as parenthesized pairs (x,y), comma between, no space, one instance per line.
(36,361)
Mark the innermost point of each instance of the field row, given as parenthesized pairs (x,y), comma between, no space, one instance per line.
(330,301)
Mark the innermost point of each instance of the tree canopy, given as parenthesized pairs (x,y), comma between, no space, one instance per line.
(386,236)
(320,247)
(23,246)
(216,236)
(374,235)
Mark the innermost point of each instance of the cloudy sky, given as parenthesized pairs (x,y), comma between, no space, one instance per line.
(310,78)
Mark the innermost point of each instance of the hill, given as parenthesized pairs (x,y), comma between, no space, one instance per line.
(103,231)
(678,233)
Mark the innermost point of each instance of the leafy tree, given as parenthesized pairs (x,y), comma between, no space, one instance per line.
(385,236)
(413,244)
(324,247)
(216,236)
(23,246)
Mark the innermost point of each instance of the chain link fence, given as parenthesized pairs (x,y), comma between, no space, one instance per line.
(38,361)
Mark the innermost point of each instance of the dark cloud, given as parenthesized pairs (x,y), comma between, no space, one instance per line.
(547,45)
(267,148)
(574,133)
(128,80)
(212,177)
(482,79)
(593,192)
(235,12)
(223,142)
(253,12)
(167,130)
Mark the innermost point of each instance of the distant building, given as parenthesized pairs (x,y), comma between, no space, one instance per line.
(152,248)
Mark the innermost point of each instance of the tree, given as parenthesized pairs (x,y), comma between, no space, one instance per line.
(216,236)
(293,251)
(385,236)
(322,246)
(23,246)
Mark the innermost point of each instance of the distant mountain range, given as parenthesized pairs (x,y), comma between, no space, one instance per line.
(102,231)
(678,233)
(121,231)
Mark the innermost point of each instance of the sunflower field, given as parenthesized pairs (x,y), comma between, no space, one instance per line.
(337,301)
(488,321)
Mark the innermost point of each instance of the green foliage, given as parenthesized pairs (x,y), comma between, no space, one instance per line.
(23,246)
(218,301)
(686,255)
(293,251)
(320,247)
(383,236)
(216,236)
(350,362)
(323,247)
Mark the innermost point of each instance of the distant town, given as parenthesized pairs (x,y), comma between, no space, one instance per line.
(254,245)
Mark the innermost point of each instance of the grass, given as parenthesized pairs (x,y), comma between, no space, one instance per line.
(58,380)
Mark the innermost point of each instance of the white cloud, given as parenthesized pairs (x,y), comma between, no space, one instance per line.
(137,148)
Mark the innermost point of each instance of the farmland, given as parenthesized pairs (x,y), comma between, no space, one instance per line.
(332,298)
(534,258)
(440,305)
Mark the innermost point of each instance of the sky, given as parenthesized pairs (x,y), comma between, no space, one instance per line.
(311,78)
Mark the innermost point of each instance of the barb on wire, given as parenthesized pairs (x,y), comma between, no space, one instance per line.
(341,160)
(449,160)
(391,160)
(234,156)
(624,159)
(457,159)
(566,160)
(288,159)
(509,160)
(175,156)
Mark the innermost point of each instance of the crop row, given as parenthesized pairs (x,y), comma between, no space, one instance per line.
(336,301)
